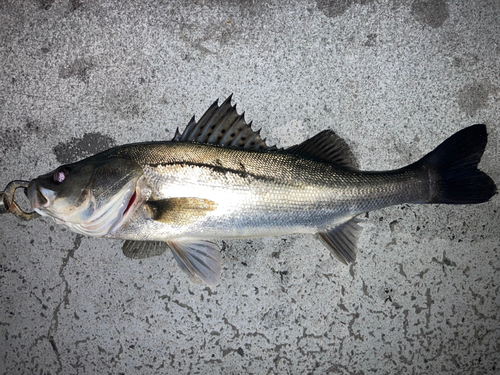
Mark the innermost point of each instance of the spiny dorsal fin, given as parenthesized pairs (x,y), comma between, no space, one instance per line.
(326,146)
(342,241)
(222,125)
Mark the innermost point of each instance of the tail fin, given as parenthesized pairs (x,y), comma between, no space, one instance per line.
(458,181)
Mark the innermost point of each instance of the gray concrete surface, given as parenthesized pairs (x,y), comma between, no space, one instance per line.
(394,78)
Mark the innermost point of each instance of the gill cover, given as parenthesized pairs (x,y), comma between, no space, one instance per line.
(91,196)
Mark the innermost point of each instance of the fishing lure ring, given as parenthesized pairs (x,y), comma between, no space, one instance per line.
(9,205)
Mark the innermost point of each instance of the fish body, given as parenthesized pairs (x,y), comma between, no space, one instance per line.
(247,194)
(220,180)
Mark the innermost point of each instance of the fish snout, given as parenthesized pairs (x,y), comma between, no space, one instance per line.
(35,197)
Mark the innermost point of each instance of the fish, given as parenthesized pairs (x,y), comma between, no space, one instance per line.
(220,180)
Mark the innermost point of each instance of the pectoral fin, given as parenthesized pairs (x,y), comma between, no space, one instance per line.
(342,241)
(143,249)
(180,211)
(198,258)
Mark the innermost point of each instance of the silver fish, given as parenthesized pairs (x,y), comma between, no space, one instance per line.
(220,180)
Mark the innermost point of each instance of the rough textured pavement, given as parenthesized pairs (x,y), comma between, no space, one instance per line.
(394,78)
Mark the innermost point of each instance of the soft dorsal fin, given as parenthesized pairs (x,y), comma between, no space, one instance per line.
(326,146)
(222,125)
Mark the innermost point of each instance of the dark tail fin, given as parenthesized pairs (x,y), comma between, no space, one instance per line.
(458,181)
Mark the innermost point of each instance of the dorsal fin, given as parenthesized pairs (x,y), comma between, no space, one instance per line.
(326,146)
(222,125)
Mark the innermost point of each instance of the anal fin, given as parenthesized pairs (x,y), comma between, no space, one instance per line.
(342,240)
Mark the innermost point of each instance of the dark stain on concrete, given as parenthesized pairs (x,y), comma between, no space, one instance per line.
(430,12)
(473,97)
(124,103)
(79,69)
(225,33)
(45,4)
(335,8)
(14,138)
(74,5)
(79,148)
(371,40)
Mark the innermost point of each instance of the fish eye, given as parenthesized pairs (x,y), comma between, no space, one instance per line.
(60,175)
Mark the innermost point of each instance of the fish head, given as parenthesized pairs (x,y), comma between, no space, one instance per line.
(92,197)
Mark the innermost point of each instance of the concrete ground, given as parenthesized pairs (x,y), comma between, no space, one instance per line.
(393,78)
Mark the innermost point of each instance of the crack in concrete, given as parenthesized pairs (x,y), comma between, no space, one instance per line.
(233,327)
(67,290)
(187,307)
(358,336)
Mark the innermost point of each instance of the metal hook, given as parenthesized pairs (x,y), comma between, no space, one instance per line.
(8,205)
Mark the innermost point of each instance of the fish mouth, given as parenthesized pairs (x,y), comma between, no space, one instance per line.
(35,196)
